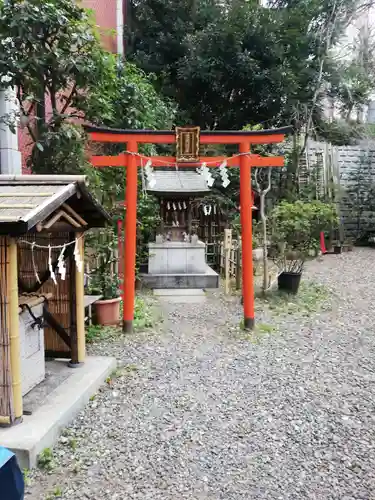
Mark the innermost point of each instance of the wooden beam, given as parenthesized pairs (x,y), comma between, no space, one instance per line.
(109,161)
(125,138)
(74,214)
(61,215)
(57,354)
(11,206)
(12,218)
(60,226)
(26,195)
(55,325)
(33,301)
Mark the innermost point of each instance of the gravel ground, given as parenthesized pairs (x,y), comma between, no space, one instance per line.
(201,410)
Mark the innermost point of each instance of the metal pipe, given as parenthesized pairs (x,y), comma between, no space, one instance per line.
(10,156)
(120,27)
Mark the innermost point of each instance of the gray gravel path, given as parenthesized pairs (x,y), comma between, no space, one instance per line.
(203,411)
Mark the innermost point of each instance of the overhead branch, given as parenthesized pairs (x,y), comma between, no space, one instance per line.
(69,99)
(24,112)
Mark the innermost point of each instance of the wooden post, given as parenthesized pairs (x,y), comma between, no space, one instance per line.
(15,344)
(238,263)
(74,362)
(227,249)
(189,216)
(162,215)
(130,238)
(119,247)
(80,306)
(246,224)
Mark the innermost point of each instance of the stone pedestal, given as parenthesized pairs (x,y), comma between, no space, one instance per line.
(179,264)
(177,257)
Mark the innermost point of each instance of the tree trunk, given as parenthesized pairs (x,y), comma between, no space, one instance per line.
(265,250)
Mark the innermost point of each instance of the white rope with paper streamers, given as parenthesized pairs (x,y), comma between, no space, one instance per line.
(224,174)
(53,247)
(60,261)
(203,170)
(174,164)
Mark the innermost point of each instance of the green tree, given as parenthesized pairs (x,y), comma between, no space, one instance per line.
(231,63)
(51,53)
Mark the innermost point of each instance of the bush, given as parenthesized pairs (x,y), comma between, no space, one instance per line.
(296,229)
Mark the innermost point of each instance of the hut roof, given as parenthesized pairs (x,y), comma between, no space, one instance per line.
(181,181)
(26,200)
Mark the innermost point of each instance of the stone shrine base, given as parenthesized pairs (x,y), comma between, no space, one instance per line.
(209,279)
(177,264)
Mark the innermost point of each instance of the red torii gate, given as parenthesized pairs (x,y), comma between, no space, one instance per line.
(187,157)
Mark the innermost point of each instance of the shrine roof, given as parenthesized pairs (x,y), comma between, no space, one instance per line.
(181,181)
(26,200)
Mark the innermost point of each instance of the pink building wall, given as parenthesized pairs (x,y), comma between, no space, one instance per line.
(105,15)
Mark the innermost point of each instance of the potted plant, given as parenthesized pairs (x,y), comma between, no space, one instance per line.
(103,280)
(337,247)
(296,229)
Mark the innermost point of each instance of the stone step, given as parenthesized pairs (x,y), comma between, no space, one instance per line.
(169,292)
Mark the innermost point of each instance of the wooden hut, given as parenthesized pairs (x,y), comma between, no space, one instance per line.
(42,222)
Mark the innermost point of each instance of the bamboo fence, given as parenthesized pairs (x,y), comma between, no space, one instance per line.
(6,396)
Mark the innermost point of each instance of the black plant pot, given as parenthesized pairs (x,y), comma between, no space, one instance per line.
(337,249)
(289,282)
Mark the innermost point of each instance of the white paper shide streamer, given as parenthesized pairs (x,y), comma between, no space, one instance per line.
(224,174)
(61,264)
(34,265)
(150,174)
(207,209)
(205,172)
(50,268)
